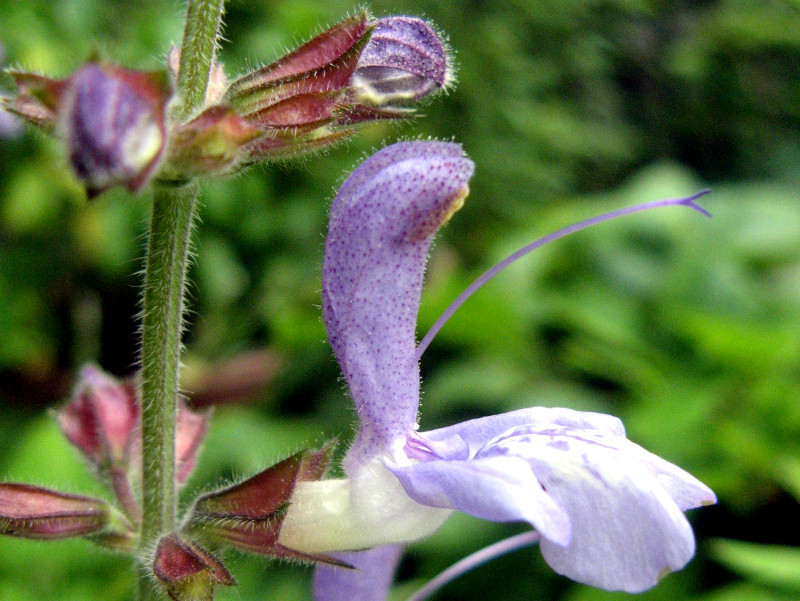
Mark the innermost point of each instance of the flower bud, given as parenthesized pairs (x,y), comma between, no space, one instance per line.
(102,418)
(249,515)
(28,511)
(187,571)
(405,60)
(114,124)
(190,430)
(355,72)
(217,80)
(230,380)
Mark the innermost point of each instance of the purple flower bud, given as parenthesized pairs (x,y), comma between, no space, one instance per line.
(355,72)
(187,571)
(102,418)
(190,431)
(28,511)
(405,60)
(114,123)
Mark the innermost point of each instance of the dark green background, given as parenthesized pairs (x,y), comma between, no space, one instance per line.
(687,328)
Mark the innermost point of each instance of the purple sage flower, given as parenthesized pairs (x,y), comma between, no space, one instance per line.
(610,514)
(113,121)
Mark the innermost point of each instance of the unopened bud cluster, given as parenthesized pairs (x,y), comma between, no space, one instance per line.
(121,127)
(102,421)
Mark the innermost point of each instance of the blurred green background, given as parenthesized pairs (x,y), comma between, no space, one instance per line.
(686,328)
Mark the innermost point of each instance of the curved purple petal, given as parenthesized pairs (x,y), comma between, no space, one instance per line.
(477,432)
(370,581)
(686,490)
(500,489)
(381,226)
(627,532)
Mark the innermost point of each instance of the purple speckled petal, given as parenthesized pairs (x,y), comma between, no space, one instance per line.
(627,531)
(500,489)
(370,581)
(477,432)
(404,60)
(381,226)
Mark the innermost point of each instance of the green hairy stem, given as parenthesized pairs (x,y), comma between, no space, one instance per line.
(203,24)
(164,299)
(162,322)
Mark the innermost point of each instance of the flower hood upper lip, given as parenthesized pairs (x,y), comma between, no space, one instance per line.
(381,225)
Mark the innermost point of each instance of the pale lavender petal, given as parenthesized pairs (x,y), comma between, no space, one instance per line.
(686,490)
(626,530)
(381,226)
(477,432)
(419,447)
(500,489)
(370,581)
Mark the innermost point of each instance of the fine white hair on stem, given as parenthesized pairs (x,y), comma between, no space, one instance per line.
(488,275)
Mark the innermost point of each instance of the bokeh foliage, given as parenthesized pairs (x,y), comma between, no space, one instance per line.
(686,328)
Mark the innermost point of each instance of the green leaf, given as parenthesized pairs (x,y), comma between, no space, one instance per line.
(770,564)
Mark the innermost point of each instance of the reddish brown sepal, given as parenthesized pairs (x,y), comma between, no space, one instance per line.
(261,537)
(230,380)
(249,515)
(320,60)
(28,511)
(187,571)
(261,496)
(37,99)
(299,113)
(285,145)
(356,114)
(213,142)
